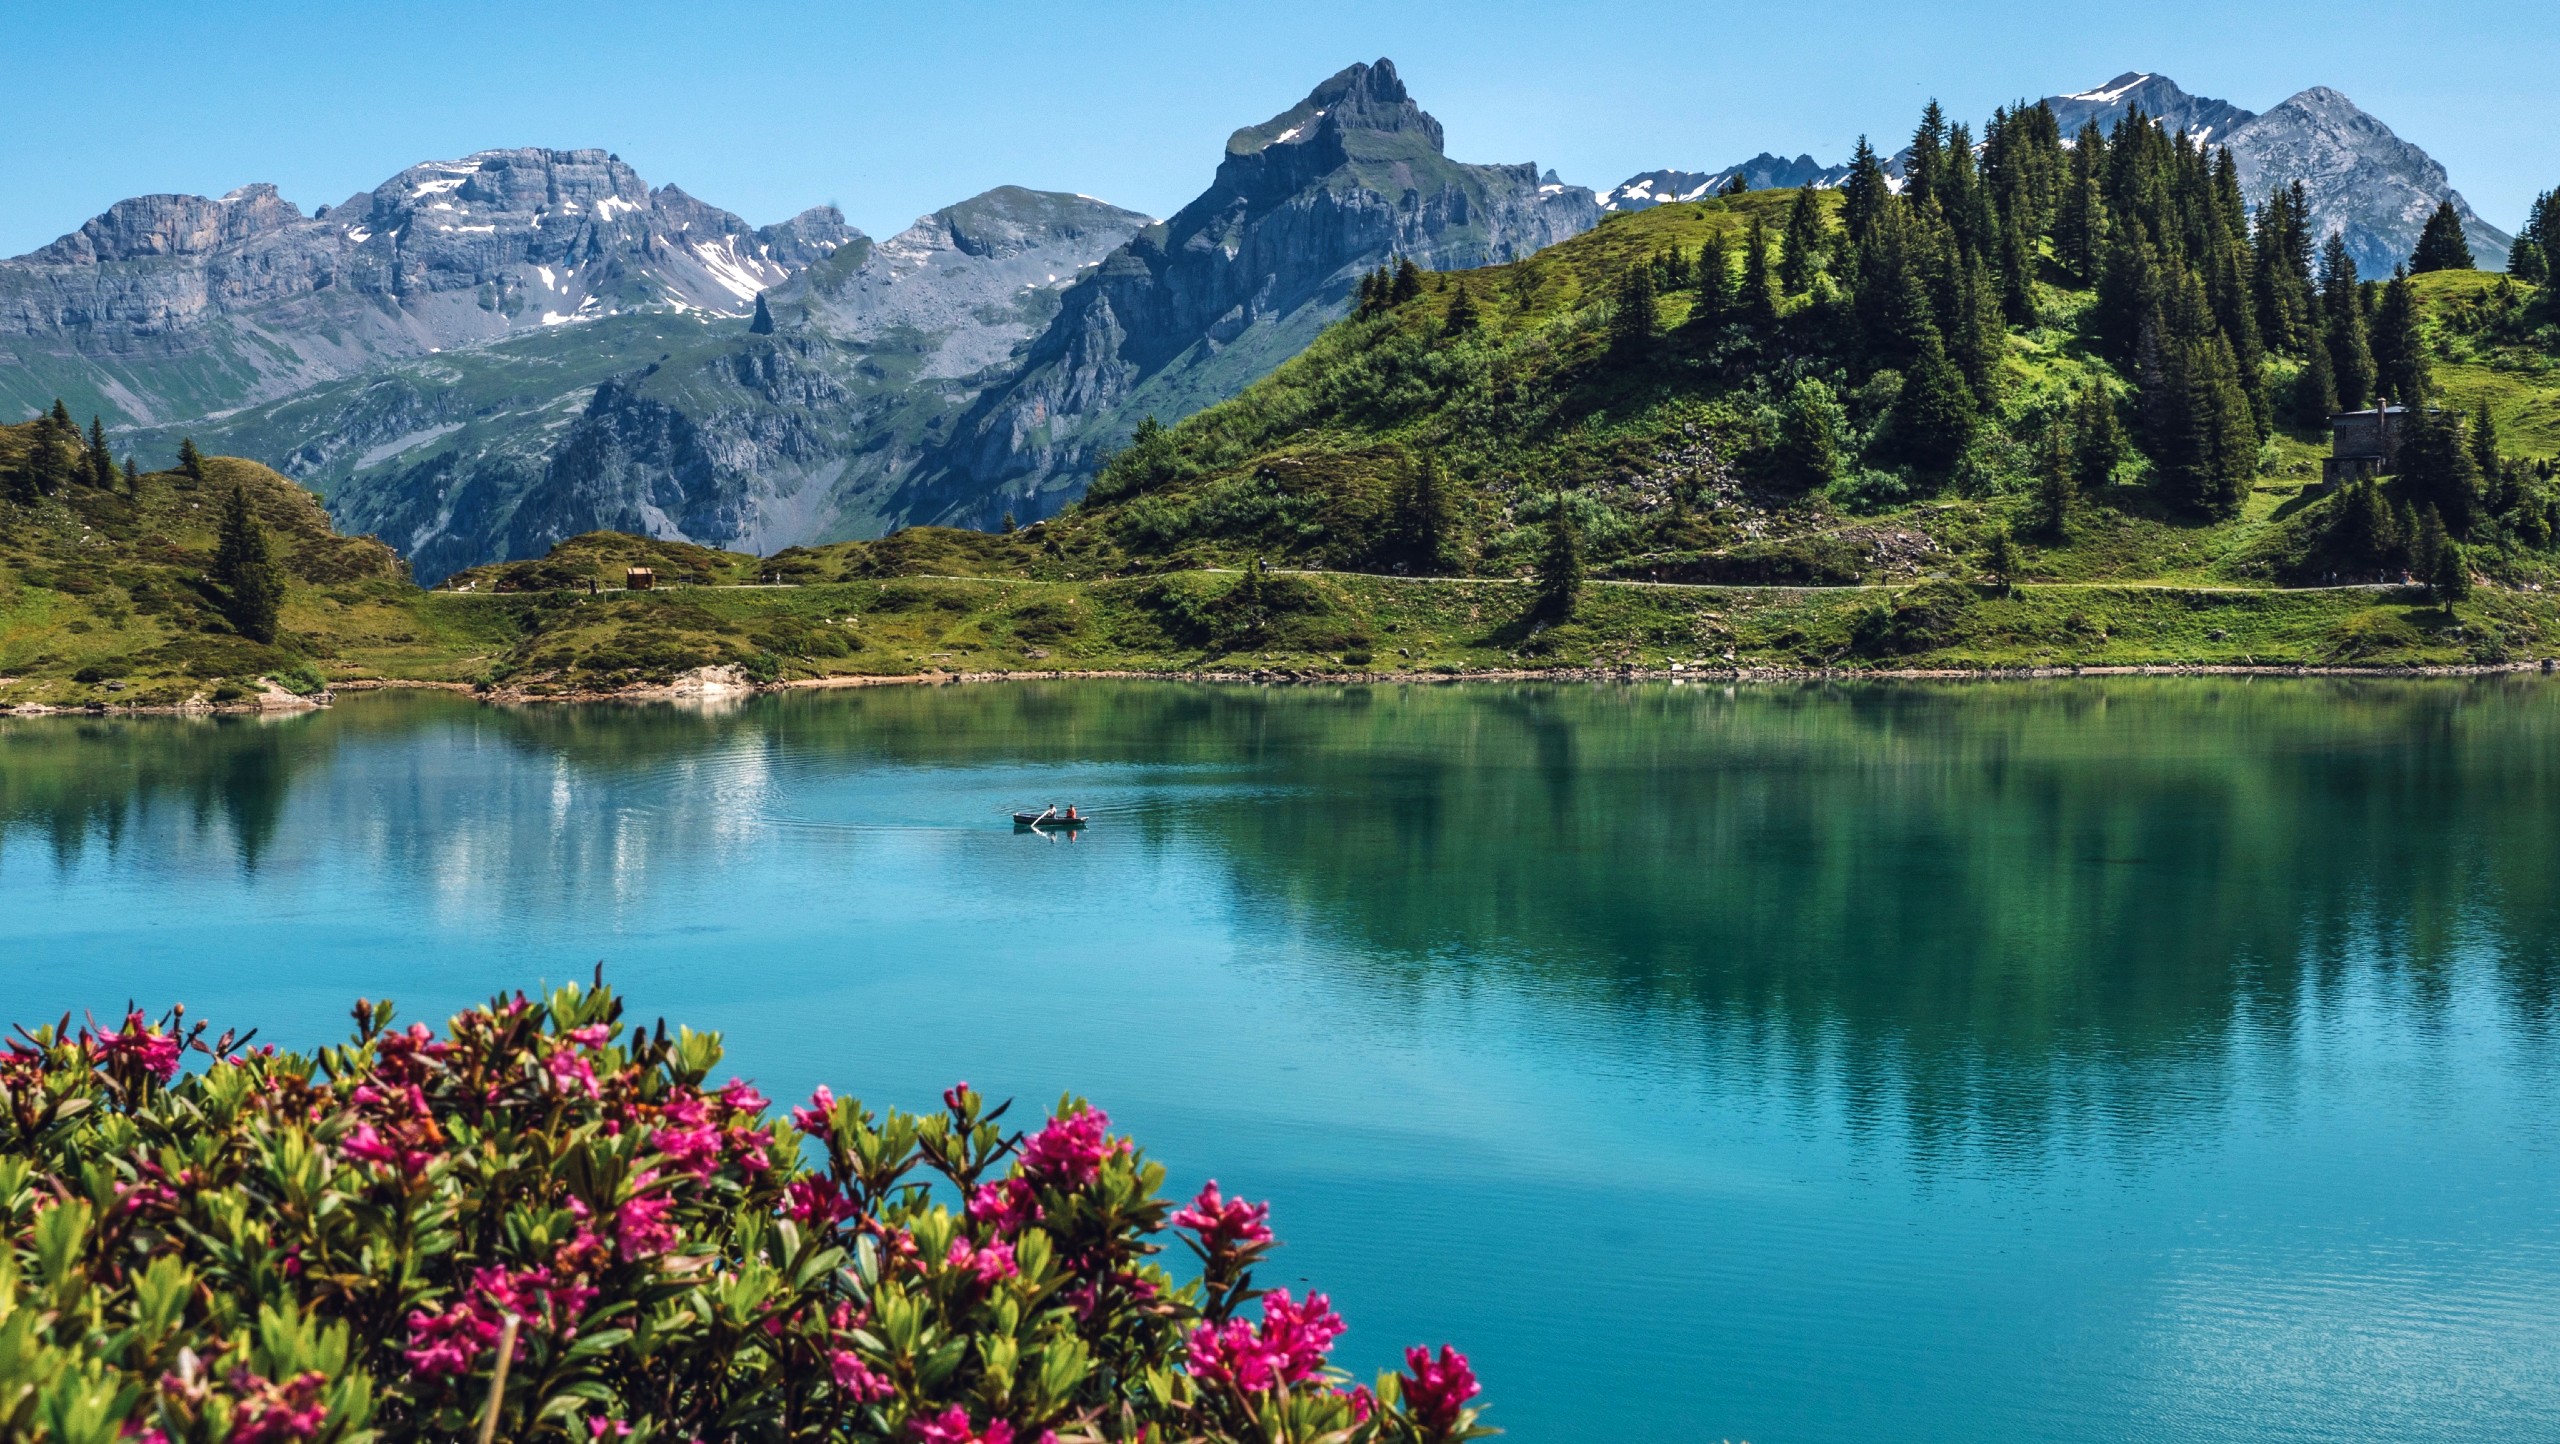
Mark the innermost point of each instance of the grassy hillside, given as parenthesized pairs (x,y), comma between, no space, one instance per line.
(1702,551)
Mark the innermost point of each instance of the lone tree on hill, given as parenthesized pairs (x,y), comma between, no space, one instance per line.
(1714,305)
(1734,186)
(101,462)
(1759,288)
(2399,356)
(2442,246)
(1426,520)
(190,460)
(2451,579)
(2000,560)
(1461,315)
(1632,315)
(245,567)
(1560,564)
(1800,253)
(2054,490)
(1407,284)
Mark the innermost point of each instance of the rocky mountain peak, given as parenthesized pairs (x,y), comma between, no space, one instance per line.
(2207,120)
(171,225)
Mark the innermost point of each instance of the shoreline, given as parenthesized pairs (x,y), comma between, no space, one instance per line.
(695,688)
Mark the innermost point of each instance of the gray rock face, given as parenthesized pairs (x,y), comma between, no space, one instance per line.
(681,425)
(1194,309)
(2208,122)
(178,305)
(2364,182)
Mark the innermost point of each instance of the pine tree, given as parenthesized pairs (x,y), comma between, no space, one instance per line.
(101,462)
(2450,578)
(1560,564)
(1863,195)
(2399,356)
(2438,469)
(244,566)
(762,325)
(2080,222)
(132,476)
(1426,521)
(1632,312)
(2442,246)
(2000,560)
(2054,490)
(1734,185)
(2315,390)
(2342,312)
(1933,420)
(1920,174)
(1800,250)
(2526,263)
(2281,271)
(1715,303)
(1408,282)
(2098,444)
(1461,316)
(2427,544)
(1807,454)
(1373,293)
(2484,442)
(190,460)
(2535,258)
(1759,289)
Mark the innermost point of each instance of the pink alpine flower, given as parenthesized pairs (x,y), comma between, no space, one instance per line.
(1069,1152)
(815,1201)
(571,1074)
(1288,1348)
(594,1035)
(857,1378)
(640,1226)
(599,1427)
(277,1413)
(1225,1223)
(953,1427)
(740,1096)
(1437,1389)
(448,1343)
(957,1096)
(154,1050)
(1008,1204)
(992,1264)
(812,1120)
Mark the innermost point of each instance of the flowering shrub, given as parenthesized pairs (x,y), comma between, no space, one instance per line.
(341,1247)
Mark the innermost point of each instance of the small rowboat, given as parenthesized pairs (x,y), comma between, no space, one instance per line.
(1051,818)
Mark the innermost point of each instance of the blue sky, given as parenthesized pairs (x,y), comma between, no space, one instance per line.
(892,110)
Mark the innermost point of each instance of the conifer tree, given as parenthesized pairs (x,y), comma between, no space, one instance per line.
(190,460)
(2399,356)
(1759,289)
(2450,579)
(1734,185)
(1920,174)
(132,476)
(1800,253)
(101,462)
(1408,282)
(2342,312)
(1632,313)
(2438,470)
(245,567)
(1461,316)
(762,325)
(2315,390)
(2281,271)
(2442,246)
(1807,454)
(2534,259)
(2080,224)
(2098,443)
(1715,303)
(2054,489)
(1426,521)
(1373,294)
(2000,560)
(2484,442)
(1863,195)
(1560,564)
(1933,420)
(2526,263)
(60,416)
(2426,541)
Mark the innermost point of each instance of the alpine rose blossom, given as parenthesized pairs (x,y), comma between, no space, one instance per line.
(857,1378)
(992,1264)
(277,1413)
(812,1120)
(953,1427)
(1287,1348)
(640,1227)
(156,1051)
(1069,1152)
(1225,1223)
(1007,1204)
(1438,1388)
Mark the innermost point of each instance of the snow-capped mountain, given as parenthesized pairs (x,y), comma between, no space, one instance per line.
(2363,181)
(177,305)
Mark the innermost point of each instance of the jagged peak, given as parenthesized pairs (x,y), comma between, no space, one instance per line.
(1370,97)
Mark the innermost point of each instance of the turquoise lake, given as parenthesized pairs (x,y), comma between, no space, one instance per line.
(2125,1060)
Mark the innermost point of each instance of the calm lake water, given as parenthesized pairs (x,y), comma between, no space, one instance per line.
(2124,1060)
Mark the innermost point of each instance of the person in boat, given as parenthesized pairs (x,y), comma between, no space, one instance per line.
(1071,813)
